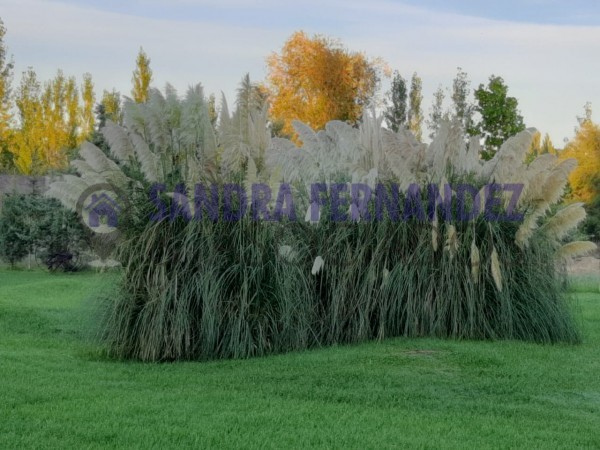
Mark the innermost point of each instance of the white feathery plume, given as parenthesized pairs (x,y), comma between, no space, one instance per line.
(451,241)
(96,158)
(284,156)
(287,253)
(564,221)
(197,133)
(305,134)
(251,175)
(63,193)
(149,161)
(496,270)
(118,140)
(370,139)
(402,156)
(246,135)
(475,262)
(557,181)
(436,153)
(527,228)
(535,177)
(385,275)
(455,148)
(574,249)
(508,160)
(471,162)
(317,265)
(550,193)
(83,168)
(435,232)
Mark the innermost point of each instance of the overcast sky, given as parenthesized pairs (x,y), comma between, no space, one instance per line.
(548,51)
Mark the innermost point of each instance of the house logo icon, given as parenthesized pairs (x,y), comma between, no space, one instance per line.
(99,207)
(102,206)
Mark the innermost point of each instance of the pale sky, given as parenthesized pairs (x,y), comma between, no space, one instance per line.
(547,51)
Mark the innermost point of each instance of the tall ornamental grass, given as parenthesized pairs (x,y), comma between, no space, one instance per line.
(204,289)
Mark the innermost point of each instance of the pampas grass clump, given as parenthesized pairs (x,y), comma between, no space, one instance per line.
(208,289)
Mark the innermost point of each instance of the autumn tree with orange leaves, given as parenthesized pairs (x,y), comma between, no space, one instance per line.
(316,80)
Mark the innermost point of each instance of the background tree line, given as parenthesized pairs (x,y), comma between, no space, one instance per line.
(314,79)
(42,123)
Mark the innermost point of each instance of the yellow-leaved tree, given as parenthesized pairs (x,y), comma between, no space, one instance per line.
(6,67)
(27,145)
(142,77)
(88,120)
(51,122)
(540,147)
(111,103)
(585,148)
(315,80)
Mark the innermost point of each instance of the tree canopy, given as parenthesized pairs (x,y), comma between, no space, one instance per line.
(397,107)
(52,121)
(315,80)
(499,115)
(6,68)
(585,147)
(142,77)
(415,112)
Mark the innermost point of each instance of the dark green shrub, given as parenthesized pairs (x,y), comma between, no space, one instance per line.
(16,234)
(40,227)
(591,225)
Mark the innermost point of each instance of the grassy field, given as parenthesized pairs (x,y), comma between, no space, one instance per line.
(417,393)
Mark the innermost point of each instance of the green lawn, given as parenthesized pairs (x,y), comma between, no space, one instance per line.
(58,393)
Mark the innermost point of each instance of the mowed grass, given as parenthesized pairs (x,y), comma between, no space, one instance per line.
(57,392)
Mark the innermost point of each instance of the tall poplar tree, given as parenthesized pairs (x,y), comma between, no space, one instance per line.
(142,77)
(88,98)
(436,114)
(462,110)
(6,71)
(415,113)
(397,108)
(28,138)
